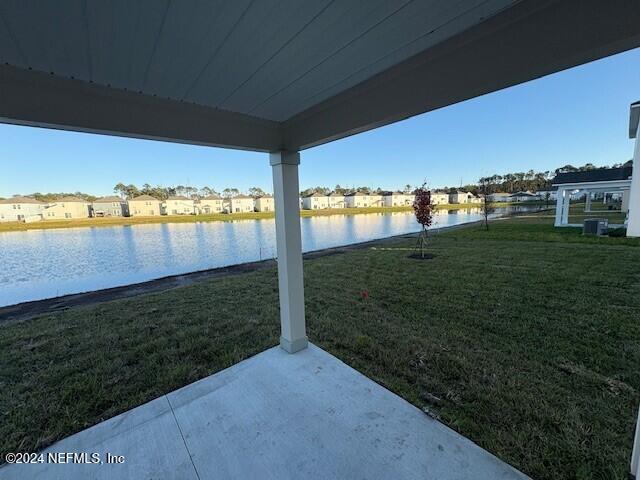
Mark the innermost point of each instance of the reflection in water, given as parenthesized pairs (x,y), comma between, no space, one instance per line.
(38,264)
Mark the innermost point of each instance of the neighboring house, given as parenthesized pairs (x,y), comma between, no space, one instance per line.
(264,203)
(111,206)
(376,200)
(499,197)
(523,197)
(439,198)
(144,206)
(179,205)
(66,207)
(210,204)
(360,200)
(336,200)
(21,209)
(463,197)
(397,199)
(315,201)
(239,204)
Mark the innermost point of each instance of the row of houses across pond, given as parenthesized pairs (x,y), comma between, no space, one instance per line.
(27,209)
(318,201)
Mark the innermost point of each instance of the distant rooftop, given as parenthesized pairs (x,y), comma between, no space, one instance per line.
(70,199)
(178,197)
(140,198)
(589,176)
(20,199)
(108,199)
(357,194)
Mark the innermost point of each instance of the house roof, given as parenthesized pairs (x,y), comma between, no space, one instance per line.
(141,198)
(357,194)
(20,199)
(212,197)
(179,197)
(108,199)
(70,199)
(335,194)
(522,194)
(314,194)
(589,176)
(242,197)
(264,196)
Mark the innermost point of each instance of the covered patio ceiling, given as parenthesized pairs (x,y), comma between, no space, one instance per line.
(272,75)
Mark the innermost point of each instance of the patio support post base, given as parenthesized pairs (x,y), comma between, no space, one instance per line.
(294,346)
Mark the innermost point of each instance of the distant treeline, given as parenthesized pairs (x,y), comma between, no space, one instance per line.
(508,183)
(531,180)
(162,193)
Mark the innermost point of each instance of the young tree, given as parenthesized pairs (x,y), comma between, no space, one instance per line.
(487,208)
(423,209)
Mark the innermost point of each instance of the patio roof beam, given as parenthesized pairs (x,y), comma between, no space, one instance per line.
(42,100)
(524,42)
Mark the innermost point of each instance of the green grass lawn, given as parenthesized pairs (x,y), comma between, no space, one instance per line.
(526,339)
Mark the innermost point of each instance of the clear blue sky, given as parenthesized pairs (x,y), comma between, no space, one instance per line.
(576,116)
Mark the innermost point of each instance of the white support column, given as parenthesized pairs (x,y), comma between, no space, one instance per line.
(633,226)
(559,207)
(565,208)
(587,201)
(635,453)
(624,208)
(289,245)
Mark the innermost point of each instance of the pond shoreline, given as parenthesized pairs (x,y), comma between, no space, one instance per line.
(27,310)
(223,217)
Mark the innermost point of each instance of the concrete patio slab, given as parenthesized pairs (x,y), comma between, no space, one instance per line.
(276,415)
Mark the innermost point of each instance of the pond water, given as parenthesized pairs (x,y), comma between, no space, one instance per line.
(39,264)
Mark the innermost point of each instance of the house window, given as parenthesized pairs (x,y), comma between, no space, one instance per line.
(67,215)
